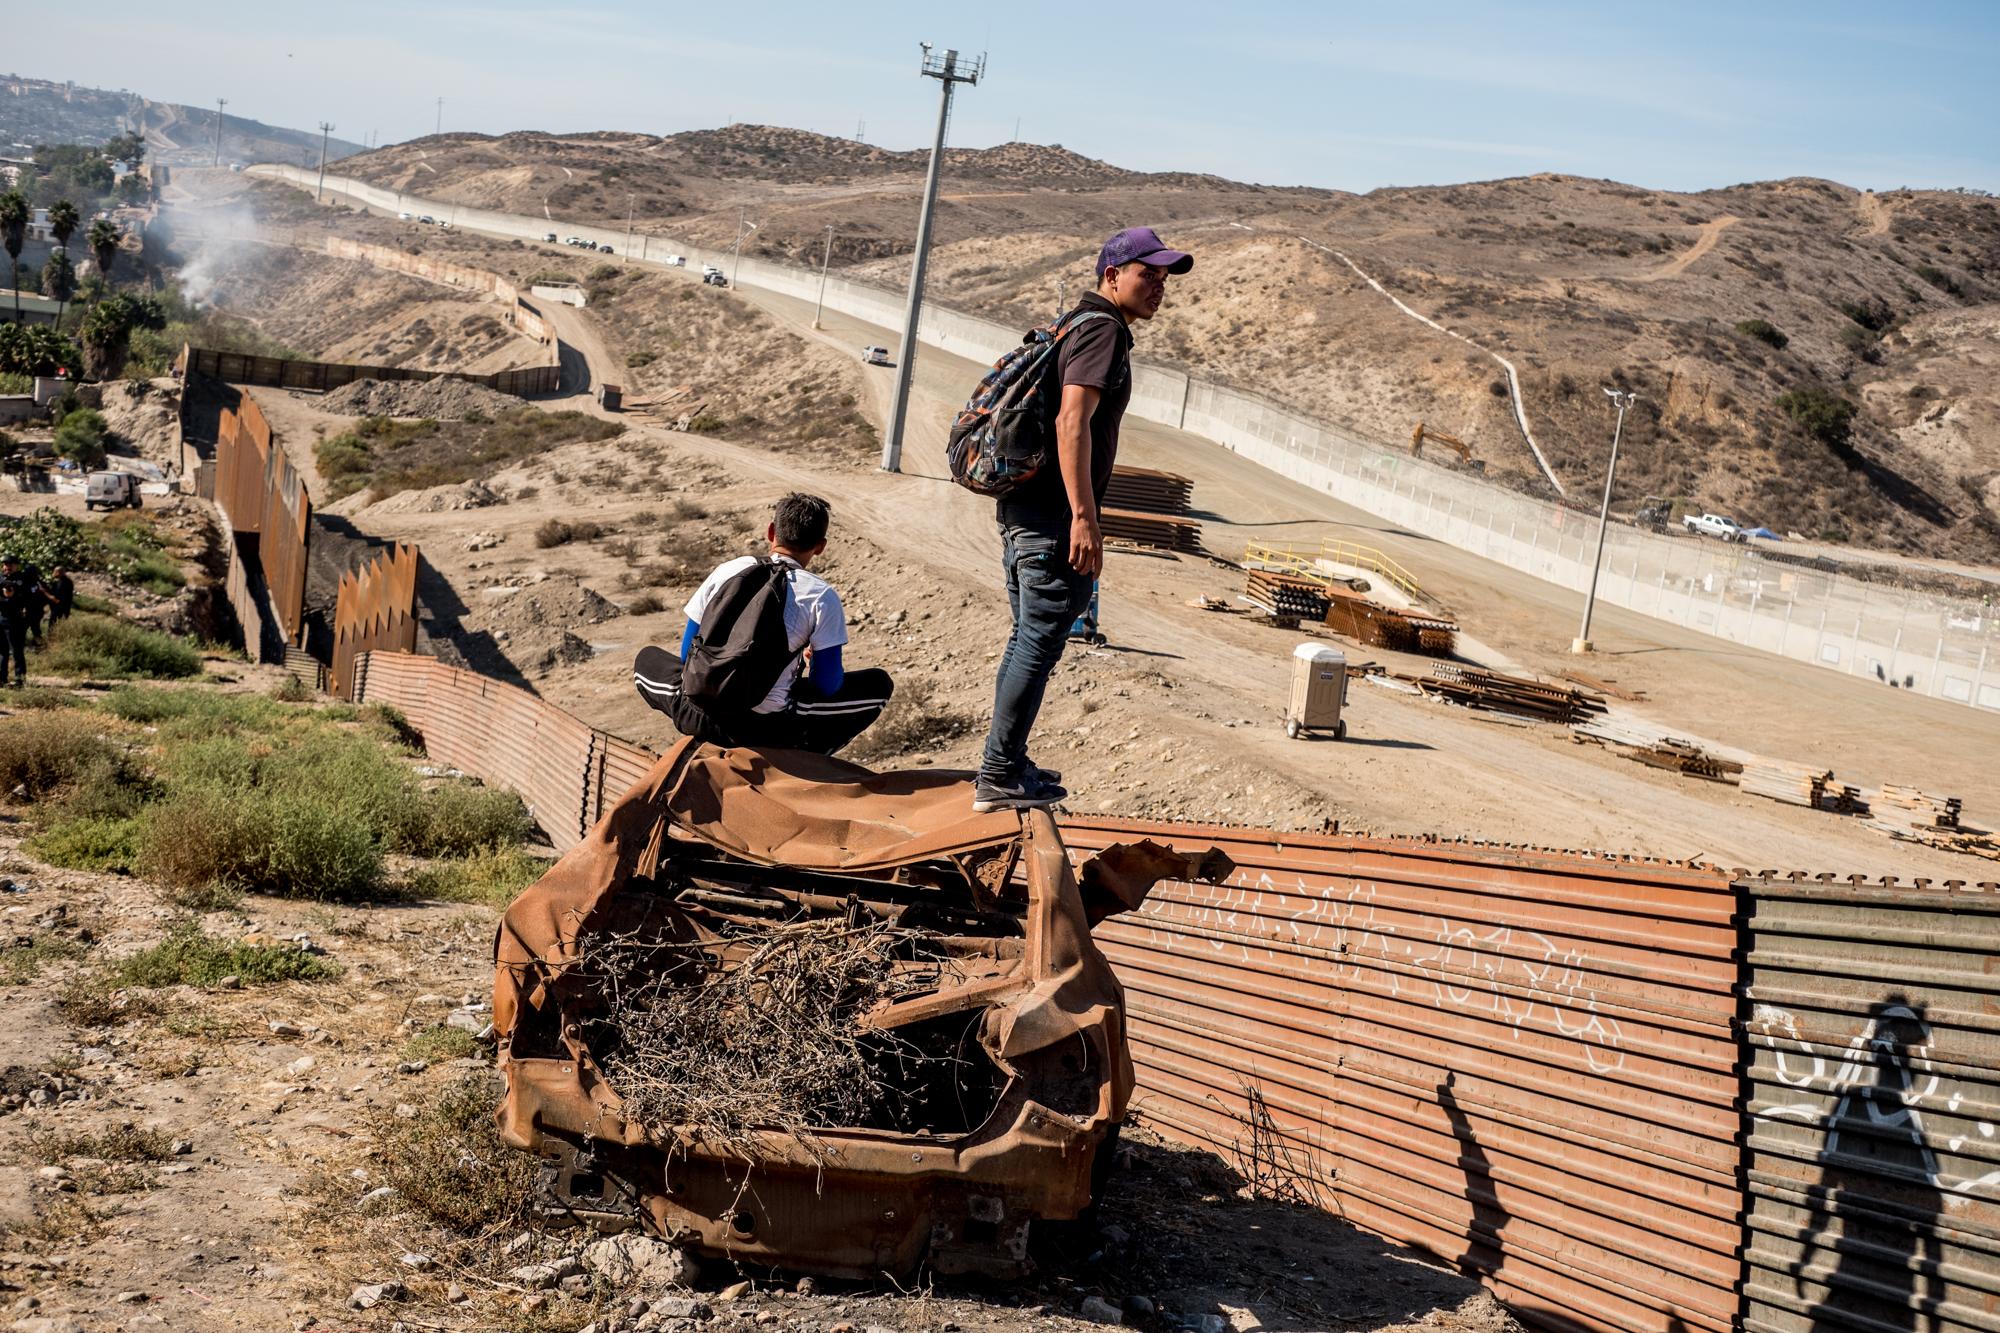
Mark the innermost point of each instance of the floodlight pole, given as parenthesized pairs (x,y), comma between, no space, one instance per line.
(947,70)
(744,226)
(1624,401)
(828,259)
(325,128)
(630,201)
(220,103)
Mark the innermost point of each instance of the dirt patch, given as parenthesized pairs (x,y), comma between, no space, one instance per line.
(440,399)
(436,499)
(145,416)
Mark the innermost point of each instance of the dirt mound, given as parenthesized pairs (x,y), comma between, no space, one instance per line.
(438,499)
(143,413)
(439,399)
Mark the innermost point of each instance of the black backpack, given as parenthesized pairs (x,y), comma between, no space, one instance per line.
(741,648)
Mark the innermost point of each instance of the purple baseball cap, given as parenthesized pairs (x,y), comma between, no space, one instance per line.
(1142,244)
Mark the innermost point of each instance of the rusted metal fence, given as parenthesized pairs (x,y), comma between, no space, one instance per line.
(1545,1067)
(376,608)
(321,376)
(266,506)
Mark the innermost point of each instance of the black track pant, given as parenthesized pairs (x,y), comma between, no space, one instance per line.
(14,647)
(823,724)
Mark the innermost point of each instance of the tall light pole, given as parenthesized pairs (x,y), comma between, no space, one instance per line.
(744,226)
(628,227)
(1624,400)
(824,261)
(440,118)
(325,128)
(220,103)
(949,73)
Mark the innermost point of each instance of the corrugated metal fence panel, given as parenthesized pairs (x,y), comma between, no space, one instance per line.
(375,610)
(1874,1118)
(1522,1061)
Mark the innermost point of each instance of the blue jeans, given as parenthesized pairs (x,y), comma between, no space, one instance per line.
(1046,596)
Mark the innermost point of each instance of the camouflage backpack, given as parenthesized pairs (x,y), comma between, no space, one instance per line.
(1002,437)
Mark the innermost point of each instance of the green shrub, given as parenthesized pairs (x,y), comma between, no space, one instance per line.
(1939,279)
(101,648)
(133,552)
(46,751)
(89,844)
(1763,332)
(386,722)
(635,360)
(82,437)
(192,711)
(1825,416)
(37,698)
(47,538)
(290,690)
(459,819)
(1872,314)
(188,956)
(493,878)
(439,1042)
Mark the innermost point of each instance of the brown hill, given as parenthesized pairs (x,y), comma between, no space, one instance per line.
(1750,319)
(39,111)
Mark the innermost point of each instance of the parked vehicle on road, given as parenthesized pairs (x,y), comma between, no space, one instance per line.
(675,261)
(1713,525)
(715,279)
(402,217)
(708,270)
(875,356)
(426,219)
(111,490)
(576,241)
(606,250)
(549,236)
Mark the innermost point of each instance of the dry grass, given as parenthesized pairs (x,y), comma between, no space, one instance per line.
(776,1041)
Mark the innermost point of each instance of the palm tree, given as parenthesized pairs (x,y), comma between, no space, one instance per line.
(59,282)
(14,232)
(104,238)
(63,220)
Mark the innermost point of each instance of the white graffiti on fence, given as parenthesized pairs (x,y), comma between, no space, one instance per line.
(1874,1060)
(1517,977)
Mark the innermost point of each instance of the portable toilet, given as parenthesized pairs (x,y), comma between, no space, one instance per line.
(1319,690)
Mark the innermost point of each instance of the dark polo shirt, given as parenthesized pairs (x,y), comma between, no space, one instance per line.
(1097,355)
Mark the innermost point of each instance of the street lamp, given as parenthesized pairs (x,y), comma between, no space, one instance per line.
(824,261)
(1624,401)
(629,199)
(744,226)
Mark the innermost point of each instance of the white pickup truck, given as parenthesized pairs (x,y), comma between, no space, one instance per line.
(1713,525)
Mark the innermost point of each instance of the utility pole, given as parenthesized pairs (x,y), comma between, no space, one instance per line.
(325,128)
(949,73)
(440,118)
(1624,401)
(628,228)
(824,261)
(744,226)
(220,103)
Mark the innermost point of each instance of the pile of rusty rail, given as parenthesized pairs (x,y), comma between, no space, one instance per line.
(1685,757)
(1287,596)
(1381,626)
(1150,508)
(1149,491)
(1519,696)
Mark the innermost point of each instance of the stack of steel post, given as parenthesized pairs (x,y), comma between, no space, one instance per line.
(1287,596)
(1522,696)
(1150,508)
(1794,784)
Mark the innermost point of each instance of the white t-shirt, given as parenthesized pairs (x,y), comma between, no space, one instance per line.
(814,619)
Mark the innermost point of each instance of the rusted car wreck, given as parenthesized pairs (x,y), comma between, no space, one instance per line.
(990,1058)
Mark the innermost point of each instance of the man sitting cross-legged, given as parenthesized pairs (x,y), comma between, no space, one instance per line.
(759,663)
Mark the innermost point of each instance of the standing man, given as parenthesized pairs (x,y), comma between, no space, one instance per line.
(1051,545)
(13,624)
(60,590)
(812,702)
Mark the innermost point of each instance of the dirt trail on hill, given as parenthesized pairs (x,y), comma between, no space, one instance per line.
(1711,232)
(1875,215)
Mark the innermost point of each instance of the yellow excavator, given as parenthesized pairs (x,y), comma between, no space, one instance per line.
(1451,442)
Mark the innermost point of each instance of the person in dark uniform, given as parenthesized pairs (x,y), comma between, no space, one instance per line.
(59,591)
(13,628)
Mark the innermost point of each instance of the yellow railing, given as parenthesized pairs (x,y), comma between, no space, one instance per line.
(1311,564)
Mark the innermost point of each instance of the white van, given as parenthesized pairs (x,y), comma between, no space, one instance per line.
(112,490)
(675,261)
(710,271)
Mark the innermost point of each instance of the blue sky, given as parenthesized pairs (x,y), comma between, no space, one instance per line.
(1677,96)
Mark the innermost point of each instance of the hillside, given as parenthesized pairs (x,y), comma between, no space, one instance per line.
(1716,306)
(35,111)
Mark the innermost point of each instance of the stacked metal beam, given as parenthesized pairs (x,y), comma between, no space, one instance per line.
(1522,696)
(1916,809)
(1794,784)
(1163,531)
(1149,491)
(1287,596)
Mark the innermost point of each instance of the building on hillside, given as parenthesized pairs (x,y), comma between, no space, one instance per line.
(35,308)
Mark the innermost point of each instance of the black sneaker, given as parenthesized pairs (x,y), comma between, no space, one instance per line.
(1025,795)
(1047,777)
